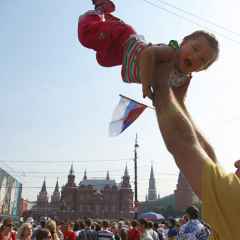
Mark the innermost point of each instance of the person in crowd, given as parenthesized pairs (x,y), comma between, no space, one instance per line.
(88,233)
(24,232)
(123,229)
(69,233)
(6,230)
(42,223)
(193,229)
(105,233)
(133,232)
(158,230)
(172,230)
(152,231)
(79,227)
(59,226)
(114,230)
(144,233)
(219,191)
(52,227)
(43,234)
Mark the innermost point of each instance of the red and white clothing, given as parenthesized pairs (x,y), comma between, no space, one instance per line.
(107,38)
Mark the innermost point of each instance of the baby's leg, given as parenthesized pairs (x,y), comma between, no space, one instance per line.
(89,30)
(105,37)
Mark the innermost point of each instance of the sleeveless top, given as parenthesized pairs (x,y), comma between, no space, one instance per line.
(130,70)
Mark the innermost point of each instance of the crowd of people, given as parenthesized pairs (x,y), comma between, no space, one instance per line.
(188,227)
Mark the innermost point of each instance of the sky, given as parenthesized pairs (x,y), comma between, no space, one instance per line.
(56,102)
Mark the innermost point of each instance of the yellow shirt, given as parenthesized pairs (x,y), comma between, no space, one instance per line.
(221,202)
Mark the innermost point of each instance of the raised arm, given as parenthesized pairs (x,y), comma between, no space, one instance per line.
(178,132)
(180,94)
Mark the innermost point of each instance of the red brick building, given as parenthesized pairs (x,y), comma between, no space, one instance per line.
(95,198)
(184,195)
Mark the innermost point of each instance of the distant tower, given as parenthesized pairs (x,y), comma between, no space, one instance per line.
(55,199)
(107,177)
(68,194)
(184,196)
(126,179)
(126,195)
(85,175)
(152,193)
(71,178)
(42,198)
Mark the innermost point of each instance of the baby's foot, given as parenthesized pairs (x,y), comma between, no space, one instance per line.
(105,6)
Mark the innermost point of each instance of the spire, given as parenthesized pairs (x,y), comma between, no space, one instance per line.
(44,188)
(126,179)
(126,172)
(151,173)
(56,187)
(71,172)
(108,177)
(42,198)
(152,193)
(85,175)
(71,177)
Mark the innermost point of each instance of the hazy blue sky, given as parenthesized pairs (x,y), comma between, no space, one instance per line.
(56,102)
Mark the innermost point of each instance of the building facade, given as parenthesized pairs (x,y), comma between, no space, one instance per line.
(95,198)
(184,195)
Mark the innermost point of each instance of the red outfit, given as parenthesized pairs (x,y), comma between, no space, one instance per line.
(12,236)
(133,234)
(107,38)
(69,235)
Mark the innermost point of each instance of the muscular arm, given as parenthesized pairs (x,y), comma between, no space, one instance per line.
(178,132)
(203,141)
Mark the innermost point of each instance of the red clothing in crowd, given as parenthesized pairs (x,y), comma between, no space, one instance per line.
(11,236)
(133,234)
(69,235)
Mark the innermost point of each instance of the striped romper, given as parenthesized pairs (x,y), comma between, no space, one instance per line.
(130,69)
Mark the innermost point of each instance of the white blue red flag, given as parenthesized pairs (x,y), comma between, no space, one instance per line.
(126,112)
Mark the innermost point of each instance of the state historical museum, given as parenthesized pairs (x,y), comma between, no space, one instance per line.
(95,198)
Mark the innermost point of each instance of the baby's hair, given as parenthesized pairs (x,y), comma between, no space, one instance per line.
(213,42)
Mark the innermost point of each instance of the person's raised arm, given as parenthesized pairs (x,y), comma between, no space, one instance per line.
(180,94)
(178,132)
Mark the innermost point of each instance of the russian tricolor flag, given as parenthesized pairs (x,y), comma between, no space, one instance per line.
(126,112)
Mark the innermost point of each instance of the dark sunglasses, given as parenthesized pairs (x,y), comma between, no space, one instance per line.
(9,225)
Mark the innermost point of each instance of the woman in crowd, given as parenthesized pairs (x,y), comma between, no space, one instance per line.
(24,232)
(6,230)
(51,226)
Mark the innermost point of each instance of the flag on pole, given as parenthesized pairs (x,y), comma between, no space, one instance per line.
(126,112)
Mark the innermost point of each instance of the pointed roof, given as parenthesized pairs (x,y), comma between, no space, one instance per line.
(107,177)
(44,188)
(126,172)
(151,173)
(56,187)
(71,172)
(85,175)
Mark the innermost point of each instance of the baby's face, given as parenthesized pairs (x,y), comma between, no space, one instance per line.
(195,54)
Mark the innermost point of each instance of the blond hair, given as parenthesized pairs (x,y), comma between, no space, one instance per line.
(22,229)
(52,227)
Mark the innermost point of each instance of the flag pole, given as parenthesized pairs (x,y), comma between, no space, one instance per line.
(136,101)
